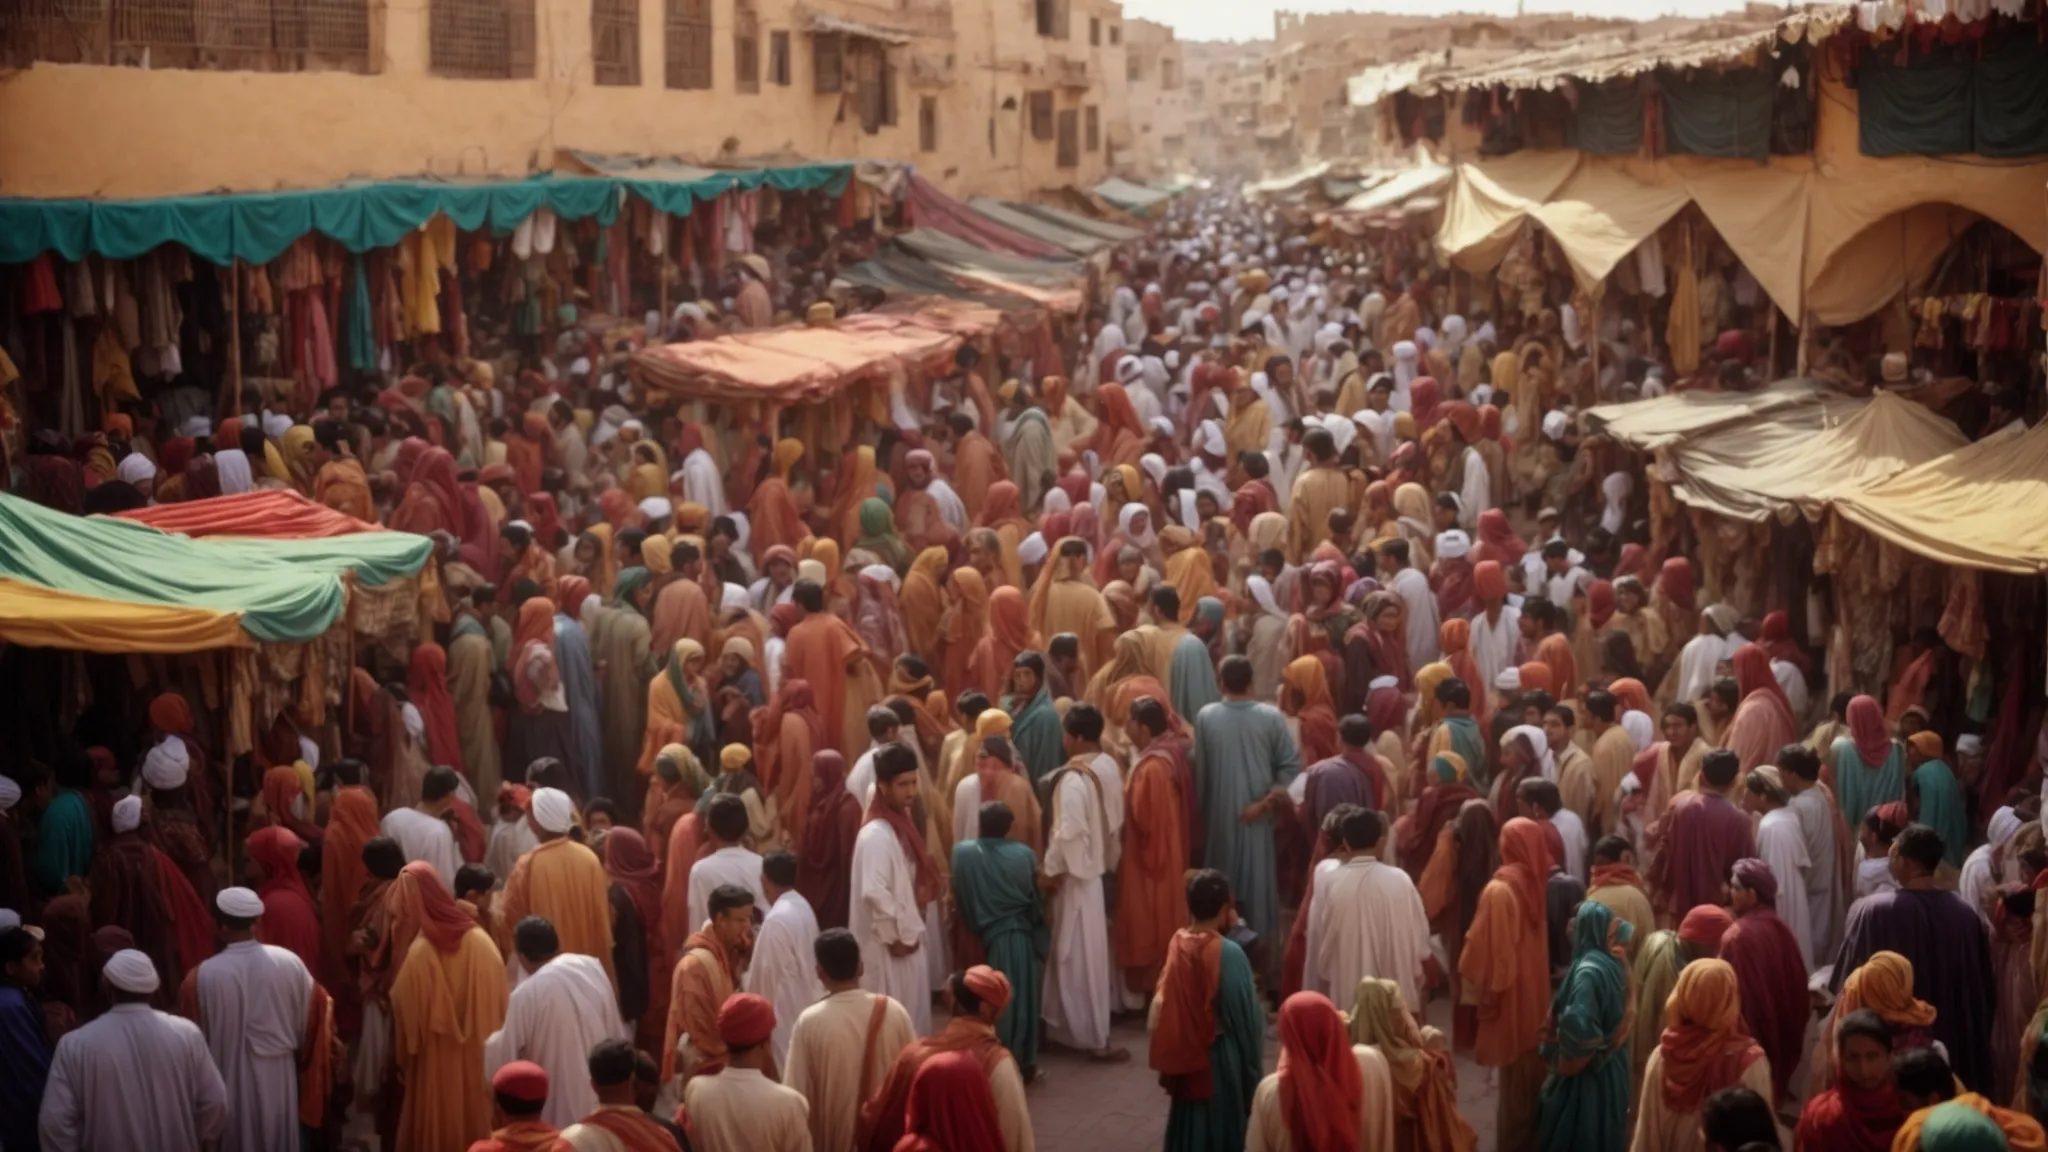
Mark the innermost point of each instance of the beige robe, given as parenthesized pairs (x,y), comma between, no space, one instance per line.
(469,684)
(827,1054)
(1268,1131)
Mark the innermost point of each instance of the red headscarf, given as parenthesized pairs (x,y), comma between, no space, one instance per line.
(1848,1119)
(1631,562)
(631,865)
(280,786)
(1497,539)
(289,919)
(1753,674)
(1705,925)
(1456,639)
(1489,582)
(793,696)
(1464,418)
(1674,582)
(1320,1087)
(1632,695)
(951,1108)
(426,685)
(1777,640)
(1868,728)
(619,510)
(428,910)
(1600,602)
(545,518)
(1422,403)
(1524,866)
(536,625)
(1455,586)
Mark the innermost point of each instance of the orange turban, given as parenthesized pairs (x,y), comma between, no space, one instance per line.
(1488,581)
(990,985)
(745,1020)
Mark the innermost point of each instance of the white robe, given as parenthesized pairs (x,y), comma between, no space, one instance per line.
(884,911)
(1425,643)
(253,1000)
(510,839)
(1476,495)
(827,1050)
(1824,902)
(740,1108)
(702,484)
(1366,919)
(1493,647)
(1780,844)
(783,968)
(424,837)
(734,865)
(133,1078)
(1268,1131)
(1696,662)
(1572,831)
(1078,987)
(1111,777)
(952,509)
(554,1018)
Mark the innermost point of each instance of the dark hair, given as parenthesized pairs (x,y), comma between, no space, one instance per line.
(882,720)
(837,951)
(995,820)
(906,715)
(1602,705)
(1318,443)
(727,816)
(1166,601)
(1066,643)
(1799,760)
(1727,691)
(514,1106)
(440,782)
(1733,1117)
(998,747)
(1084,722)
(1865,1023)
(1454,692)
(914,666)
(1273,558)
(972,703)
(383,857)
(1542,793)
(1922,845)
(780,867)
(1923,1072)
(1610,850)
(233,923)
(1151,714)
(1032,660)
(1354,730)
(1235,673)
(16,943)
(963,997)
(960,422)
(347,771)
(1361,828)
(601,806)
(808,595)
(474,878)
(612,1063)
(1839,704)
(1073,547)
(536,939)
(686,553)
(893,760)
(1208,894)
(727,897)
(1683,711)
(1562,712)
(1395,549)
(1543,702)
(1255,464)
(1557,550)
(1719,766)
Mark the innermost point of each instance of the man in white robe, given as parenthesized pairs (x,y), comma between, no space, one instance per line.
(422,830)
(884,912)
(782,969)
(1816,810)
(1475,495)
(1496,629)
(725,822)
(253,1003)
(134,1077)
(739,1108)
(562,1009)
(1079,992)
(1424,642)
(1781,843)
(701,482)
(843,1045)
(1365,918)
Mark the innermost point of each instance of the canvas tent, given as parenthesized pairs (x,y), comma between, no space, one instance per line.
(1971,508)
(1662,421)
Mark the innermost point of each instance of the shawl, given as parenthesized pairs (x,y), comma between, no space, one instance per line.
(1320,1085)
(1524,866)
(1705,1046)
(426,685)
(1850,1119)
(1868,729)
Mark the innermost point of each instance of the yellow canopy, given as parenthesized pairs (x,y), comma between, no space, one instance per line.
(42,617)
(1969,508)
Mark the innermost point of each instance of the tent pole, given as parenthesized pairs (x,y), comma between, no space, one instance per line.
(231,404)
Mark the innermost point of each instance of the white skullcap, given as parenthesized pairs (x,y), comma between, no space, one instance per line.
(10,793)
(1453,545)
(415,724)
(522,525)
(1154,466)
(552,810)
(591,603)
(1969,744)
(127,814)
(880,574)
(240,903)
(309,752)
(9,918)
(166,765)
(1405,350)
(197,424)
(1129,369)
(1161,425)
(656,507)
(1212,438)
(1509,680)
(131,971)
(731,596)
(633,425)
(1554,424)
(580,366)
(276,424)
(1379,682)
(1033,549)
(812,570)
(135,468)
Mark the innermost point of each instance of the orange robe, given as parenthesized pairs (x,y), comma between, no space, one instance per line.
(1151,894)
(774,517)
(668,722)
(976,465)
(703,978)
(680,610)
(924,605)
(1511,967)
(687,844)
(443,1007)
(784,768)
(1071,604)
(564,883)
(351,823)
(826,651)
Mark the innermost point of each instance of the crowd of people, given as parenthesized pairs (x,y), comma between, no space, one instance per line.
(1267,650)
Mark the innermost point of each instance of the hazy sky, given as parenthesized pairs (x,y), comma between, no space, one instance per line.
(1253,19)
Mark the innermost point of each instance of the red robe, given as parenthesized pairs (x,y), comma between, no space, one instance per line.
(1765,956)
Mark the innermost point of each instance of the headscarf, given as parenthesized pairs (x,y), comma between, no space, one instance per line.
(1455,636)
(1704,925)
(1497,539)
(1753,674)
(426,685)
(1953,1126)
(1884,985)
(424,904)
(1524,867)
(950,1108)
(1556,652)
(878,534)
(1869,730)
(632,866)
(1599,603)
(1674,582)
(1320,1085)
(1705,1046)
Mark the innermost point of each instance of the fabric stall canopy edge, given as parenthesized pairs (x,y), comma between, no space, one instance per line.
(1067,239)
(791,365)
(1131,197)
(1662,421)
(1105,229)
(266,514)
(1970,508)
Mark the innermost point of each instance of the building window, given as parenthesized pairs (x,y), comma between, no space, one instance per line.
(1116,35)
(1070,139)
(1134,68)
(615,41)
(1095,31)
(828,63)
(1169,73)
(874,81)
(686,32)
(928,124)
(778,58)
(1041,115)
(480,39)
(1094,129)
(1052,18)
(248,36)
(746,47)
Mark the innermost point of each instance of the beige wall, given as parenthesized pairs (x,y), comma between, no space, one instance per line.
(88,130)
(1156,101)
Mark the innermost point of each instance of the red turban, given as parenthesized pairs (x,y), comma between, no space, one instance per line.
(990,985)
(1488,581)
(1704,925)
(521,1080)
(746,1020)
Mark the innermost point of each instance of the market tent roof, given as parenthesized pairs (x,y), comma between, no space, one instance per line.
(1289,182)
(112,585)
(269,514)
(899,272)
(1129,196)
(1059,235)
(1051,283)
(931,210)
(1659,422)
(787,365)
(1971,508)
(1107,230)
(1392,192)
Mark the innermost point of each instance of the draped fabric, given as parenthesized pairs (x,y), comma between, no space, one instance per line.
(1587,1109)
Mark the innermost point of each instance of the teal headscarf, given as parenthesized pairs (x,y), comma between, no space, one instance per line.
(1954,1127)
(878,535)
(629,581)
(1942,809)
(1589,1109)
(1210,608)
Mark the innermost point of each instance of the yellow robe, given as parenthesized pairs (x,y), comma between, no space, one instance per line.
(1075,606)
(562,882)
(1317,493)
(443,1007)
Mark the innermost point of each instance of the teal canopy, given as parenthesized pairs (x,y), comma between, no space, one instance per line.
(259,226)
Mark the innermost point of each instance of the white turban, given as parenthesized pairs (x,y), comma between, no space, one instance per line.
(1211,438)
(1161,425)
(587,611)
(655,507)
(309,751)
(275,425)
(1539,744)
(1154,466)
(232,466)
(1555,424)
(1453,544)
(552,810)
(135,468)
(1129,369)
(415,724)
(132,972)
(1640,728)
(240,903)
(1509,679)
(1033,549)
(166,765)
(812,570)
(10,793)
(1342,432)
(127,814)
(1405,350)
(9,918)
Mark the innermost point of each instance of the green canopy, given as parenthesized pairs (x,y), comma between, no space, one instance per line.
(1058,235)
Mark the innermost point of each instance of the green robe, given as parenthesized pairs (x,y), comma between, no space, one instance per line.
(1236,1062)
(1860,787)
(1467,741)
(1243,751)
(1941,808)
(1588,1111)
(995,886)
(1191,677)
(63,842)
(1035,730)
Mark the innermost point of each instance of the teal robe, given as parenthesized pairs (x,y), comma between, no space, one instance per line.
(1588,1112)
(1860,787)
(995,886)
(1467,741)
(1941,808)
(1191,678)
(1236,1063)
(63,842)
(1035,730)
(1243,751)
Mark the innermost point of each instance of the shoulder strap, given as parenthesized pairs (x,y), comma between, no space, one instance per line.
(879,1013)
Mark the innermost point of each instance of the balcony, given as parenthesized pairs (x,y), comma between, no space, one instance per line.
(1071,73)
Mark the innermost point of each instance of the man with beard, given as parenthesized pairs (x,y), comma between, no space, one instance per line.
(920,518)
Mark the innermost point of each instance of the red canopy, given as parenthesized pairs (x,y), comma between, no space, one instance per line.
(276,515)
(931,208)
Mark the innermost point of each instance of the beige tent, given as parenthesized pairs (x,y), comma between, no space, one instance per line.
(1662,421)
(1976,507)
